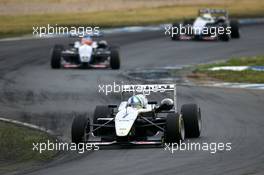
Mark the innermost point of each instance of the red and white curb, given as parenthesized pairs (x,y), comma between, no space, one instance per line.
(182,80)
(240,85)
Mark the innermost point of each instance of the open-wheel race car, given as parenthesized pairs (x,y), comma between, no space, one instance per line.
(139,121)
(86,53)
(210,24)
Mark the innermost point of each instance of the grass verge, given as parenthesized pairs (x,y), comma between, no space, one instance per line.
(248,76)
(14,25)
(16,147)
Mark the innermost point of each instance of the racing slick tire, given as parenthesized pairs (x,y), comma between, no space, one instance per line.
(174,128)
(176,28)
(224,36)
(80,127)
(234,29)
(114,59)
(100,112)
(191,114)
(56,57)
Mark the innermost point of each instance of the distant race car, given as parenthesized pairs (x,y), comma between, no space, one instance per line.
(211,24)
(138,121)
(85,54)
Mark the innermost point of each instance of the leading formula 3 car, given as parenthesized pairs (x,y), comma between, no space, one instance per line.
(211,24)
(85,54)
(138,121)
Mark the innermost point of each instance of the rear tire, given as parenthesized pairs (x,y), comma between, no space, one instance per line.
(114,59)
(192,120)
(80,127)
(175,31)
(235,29)
(174,128)
(225,36)
(56,57)
(100,112)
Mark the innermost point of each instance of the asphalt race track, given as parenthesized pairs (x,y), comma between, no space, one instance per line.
(32,92)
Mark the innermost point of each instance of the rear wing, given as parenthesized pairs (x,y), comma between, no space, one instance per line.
(147,89)
(213,12)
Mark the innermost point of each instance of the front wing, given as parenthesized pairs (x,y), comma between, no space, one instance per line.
(91,66)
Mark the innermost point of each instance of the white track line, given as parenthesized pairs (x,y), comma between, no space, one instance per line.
(26,125)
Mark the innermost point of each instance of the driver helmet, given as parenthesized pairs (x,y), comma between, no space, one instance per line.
(87,40)
(137,101)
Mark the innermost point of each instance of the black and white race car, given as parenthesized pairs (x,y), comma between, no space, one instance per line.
(138,121)
(86,53)
(211,24)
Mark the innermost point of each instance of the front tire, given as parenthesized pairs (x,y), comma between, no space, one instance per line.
(56,57)
(100,112)
(176,35)
(234,29)
(192,120)
(80,127)
(114,59)
(174,128)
